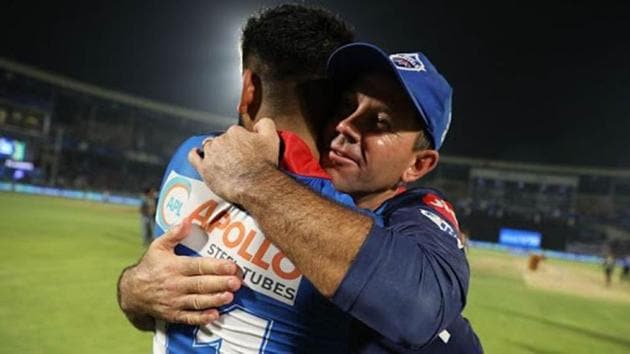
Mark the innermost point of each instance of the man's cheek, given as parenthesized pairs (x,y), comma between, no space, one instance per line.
(338,179)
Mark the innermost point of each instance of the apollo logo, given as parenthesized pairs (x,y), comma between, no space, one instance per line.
(224,231)
(232,234)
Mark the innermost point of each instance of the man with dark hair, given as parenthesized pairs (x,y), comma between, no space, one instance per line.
(292,42)
(287,48)
(278,309)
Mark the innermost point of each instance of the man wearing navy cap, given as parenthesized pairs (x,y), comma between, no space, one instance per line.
(401,271)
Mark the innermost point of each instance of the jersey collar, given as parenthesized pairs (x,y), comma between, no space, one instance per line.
(296,157)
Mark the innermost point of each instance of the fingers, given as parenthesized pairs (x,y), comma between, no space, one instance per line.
(208,301)
(175,235)
(194,158)
(196,318)
(207,266)
(266,127)
(235,130)
(206,145)
(207,140)
(208,284)
(196,155)
(239,273)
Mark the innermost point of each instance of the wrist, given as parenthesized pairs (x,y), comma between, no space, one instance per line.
(124,290)
(134,314)
(254,184)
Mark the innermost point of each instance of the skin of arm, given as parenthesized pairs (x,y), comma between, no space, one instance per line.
(136,317)
(323,254)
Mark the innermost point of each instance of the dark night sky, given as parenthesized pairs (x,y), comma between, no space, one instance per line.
(547,84)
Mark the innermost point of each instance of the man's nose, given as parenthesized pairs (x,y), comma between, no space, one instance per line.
(348,128)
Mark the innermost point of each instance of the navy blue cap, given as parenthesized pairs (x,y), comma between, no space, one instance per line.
(429,91)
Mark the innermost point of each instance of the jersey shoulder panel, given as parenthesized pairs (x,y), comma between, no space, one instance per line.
(422,206)
(179,161)
(425,198)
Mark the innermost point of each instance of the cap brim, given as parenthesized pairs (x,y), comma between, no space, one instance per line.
(351,60)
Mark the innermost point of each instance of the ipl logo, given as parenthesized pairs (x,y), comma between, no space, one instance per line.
(173,196)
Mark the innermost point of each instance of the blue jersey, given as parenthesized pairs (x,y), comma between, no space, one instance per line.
(278,310)
(414,262)
(382,305)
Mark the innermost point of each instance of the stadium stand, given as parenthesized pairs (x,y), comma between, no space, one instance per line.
(584,210)
(84,137)
(58,132)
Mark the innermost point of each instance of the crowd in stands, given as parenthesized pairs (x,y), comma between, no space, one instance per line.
(94,144)
(570,217)
(98,145)
(117,147)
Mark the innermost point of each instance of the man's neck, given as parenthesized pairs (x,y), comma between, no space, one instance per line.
(372,201)
(292,120)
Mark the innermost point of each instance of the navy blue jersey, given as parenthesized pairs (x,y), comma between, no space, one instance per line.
(408,284)
(457,338)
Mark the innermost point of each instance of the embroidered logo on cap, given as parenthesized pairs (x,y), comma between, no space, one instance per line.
(406,61)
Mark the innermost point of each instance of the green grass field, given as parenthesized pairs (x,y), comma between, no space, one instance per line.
(60,260)
(563,308)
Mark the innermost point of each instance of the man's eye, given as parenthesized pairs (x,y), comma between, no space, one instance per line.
(383,122)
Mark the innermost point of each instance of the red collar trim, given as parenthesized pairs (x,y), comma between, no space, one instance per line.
(297,157)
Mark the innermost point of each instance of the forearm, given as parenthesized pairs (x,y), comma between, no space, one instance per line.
(138,319)
(319,236)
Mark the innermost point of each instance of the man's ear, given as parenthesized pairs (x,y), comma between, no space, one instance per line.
(250,98)
(247,92)
(424,161)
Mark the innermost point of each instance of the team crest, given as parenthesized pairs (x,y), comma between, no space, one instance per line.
(406,61)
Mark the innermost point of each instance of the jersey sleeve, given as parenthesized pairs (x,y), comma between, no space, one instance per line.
(410,277)
(179,163)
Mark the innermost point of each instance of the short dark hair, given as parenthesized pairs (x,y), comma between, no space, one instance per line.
(292,42)
(423,142)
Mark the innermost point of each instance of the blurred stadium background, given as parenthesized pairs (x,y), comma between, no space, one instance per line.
(60,133)
(74,158)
